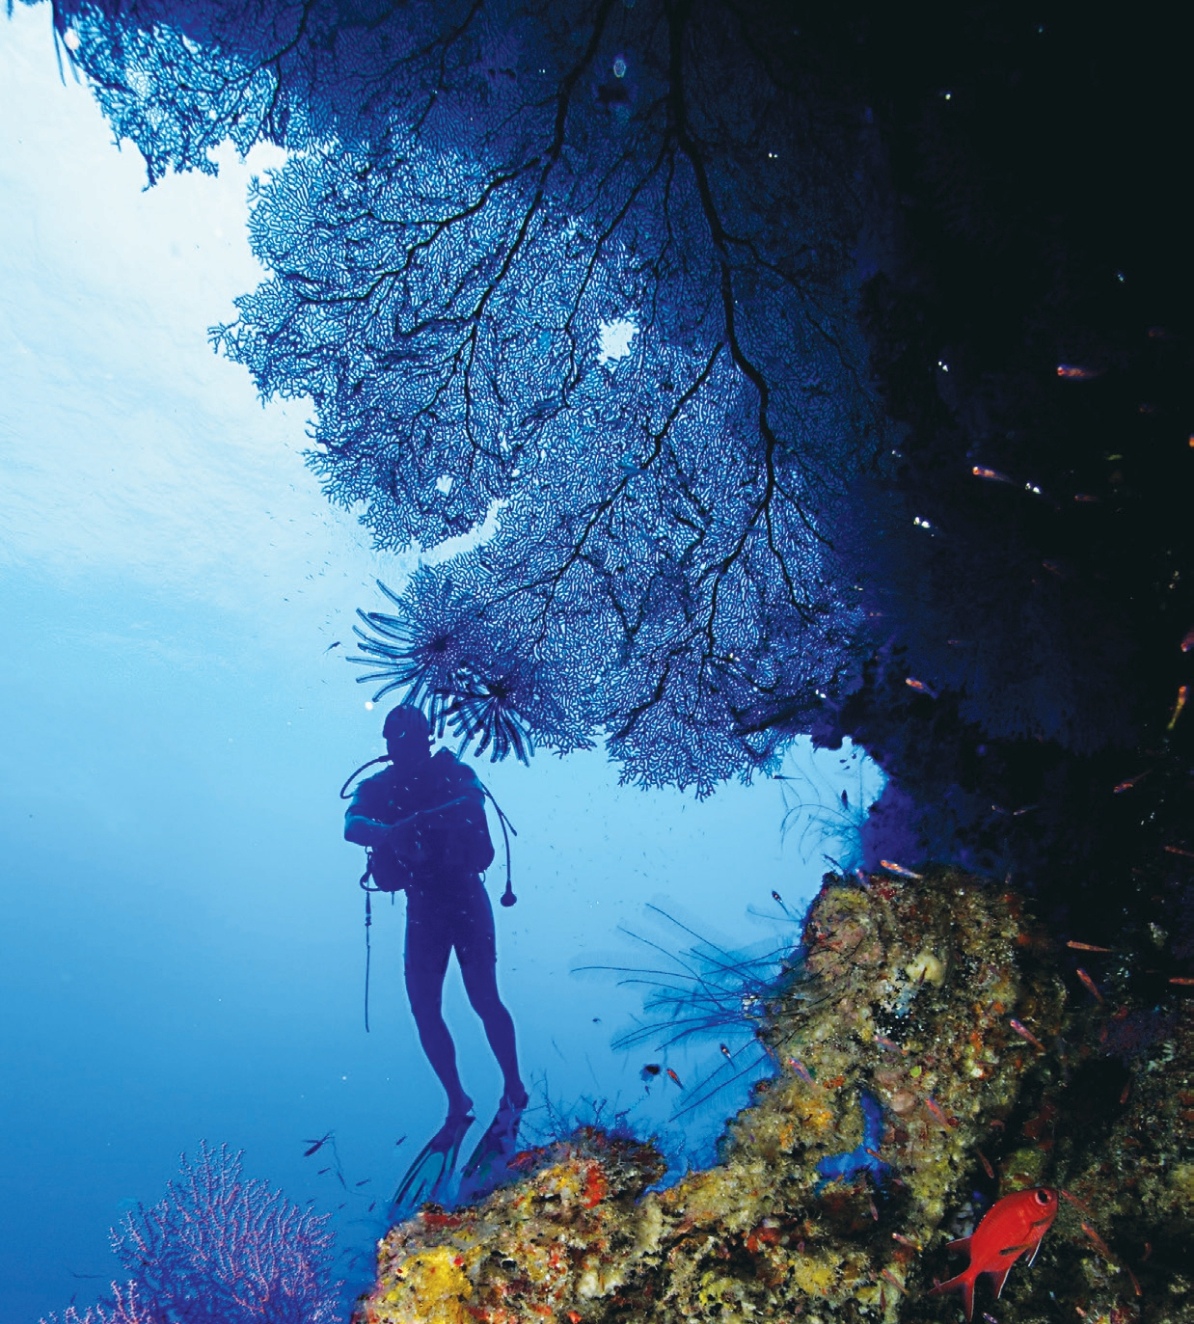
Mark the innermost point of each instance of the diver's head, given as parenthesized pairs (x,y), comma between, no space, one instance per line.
(407,734)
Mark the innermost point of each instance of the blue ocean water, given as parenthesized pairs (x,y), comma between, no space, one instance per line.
(183,947)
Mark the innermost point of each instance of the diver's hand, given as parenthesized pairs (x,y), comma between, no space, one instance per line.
(405,840)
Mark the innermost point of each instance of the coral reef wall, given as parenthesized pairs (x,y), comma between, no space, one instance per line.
(923,1042)
(929,1059)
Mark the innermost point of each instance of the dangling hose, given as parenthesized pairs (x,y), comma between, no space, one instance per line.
(381,758)
(508,897)
(368,949)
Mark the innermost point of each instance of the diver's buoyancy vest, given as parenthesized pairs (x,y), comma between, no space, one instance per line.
(449,837)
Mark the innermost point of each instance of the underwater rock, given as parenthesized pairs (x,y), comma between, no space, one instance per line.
(925,1056)
(1119,1112)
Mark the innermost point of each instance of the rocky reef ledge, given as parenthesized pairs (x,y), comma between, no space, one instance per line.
(928,1059)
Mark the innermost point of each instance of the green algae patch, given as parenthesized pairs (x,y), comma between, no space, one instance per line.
(936,1004)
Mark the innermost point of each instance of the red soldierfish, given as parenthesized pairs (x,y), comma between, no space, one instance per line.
(1010,1227)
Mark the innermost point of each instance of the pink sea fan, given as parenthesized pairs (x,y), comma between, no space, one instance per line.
(221,1248)
(125,1309)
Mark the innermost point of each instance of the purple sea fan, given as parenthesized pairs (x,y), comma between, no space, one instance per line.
(125,1309)
(218,1249)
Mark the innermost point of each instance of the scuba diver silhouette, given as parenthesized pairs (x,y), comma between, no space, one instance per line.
(422,819)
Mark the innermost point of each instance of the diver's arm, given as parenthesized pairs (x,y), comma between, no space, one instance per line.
(362,831)
(361,826)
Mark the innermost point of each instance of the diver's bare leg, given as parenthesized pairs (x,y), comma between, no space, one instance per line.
(426,964)
(476,950)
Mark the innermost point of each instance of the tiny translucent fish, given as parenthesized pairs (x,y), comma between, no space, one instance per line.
(801,1070)
(671,1075)
(1187,644)
(1099,1244)
(919,686)
(1128,783)
(779,901)
(906,1241)
(725,1052)
(1090,986)
(991,475)
(986,1162)
(1085,498)
(1086,946)
(1177,850)
(935,1108)
(1182,981)
(1183,693)
(899,869)
(1025,1033)
(1074,372)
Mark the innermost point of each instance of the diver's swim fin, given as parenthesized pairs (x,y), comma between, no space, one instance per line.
(431,1173)
(488,1166)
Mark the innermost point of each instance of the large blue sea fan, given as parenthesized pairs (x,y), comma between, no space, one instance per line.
(585,270)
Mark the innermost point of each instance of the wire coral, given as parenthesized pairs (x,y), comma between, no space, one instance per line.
(706,991)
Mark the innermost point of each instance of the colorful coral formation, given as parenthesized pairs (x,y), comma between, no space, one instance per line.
(907,993)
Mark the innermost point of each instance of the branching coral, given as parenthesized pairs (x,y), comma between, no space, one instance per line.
(220,1247)
(125,1308)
